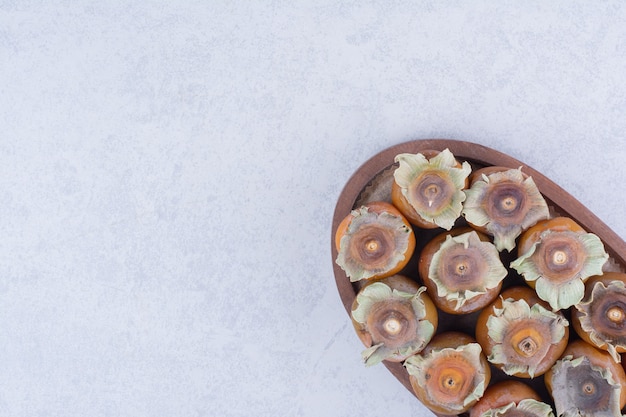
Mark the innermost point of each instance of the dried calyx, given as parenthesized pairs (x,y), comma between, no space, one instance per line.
(525,408)
(523,336)
(580,388)
(397,323)
(430,189)
(465,267)
(449,380)
(374,243)
(558,263)
(504,203)
(602,317)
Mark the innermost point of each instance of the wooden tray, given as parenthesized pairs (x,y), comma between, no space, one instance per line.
(372,181)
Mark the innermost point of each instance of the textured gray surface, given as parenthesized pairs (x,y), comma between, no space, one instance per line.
(168,175)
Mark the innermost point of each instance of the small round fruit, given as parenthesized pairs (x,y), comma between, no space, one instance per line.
(520,334)
(427,188)
(587,381)
(503,202)
(450,375)
(600,318)
(461,270)
(556,257)
(394,318)
(374,241)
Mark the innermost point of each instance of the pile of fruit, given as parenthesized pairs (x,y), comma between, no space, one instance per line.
(498,258)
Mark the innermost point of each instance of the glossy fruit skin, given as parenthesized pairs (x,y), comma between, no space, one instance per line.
(606,279)
(448,306)
(556,224)
(477,175)
(399,200)
(441,341)
(379,207)
(501,394)
(518,293)
(400,283)
(597,358)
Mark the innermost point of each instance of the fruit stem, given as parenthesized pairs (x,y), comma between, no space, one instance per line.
(615,314)
(559,257)
(392,326)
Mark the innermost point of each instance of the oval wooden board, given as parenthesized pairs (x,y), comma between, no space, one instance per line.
(362,186)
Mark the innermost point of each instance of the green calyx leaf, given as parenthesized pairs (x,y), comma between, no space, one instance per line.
(562,293)
(356,268)
(596,255)
(612,339)
(375,293)
(569,375)
(485,256)
(526,407)
(504,229)
(421,367)
(374,354)
(503,322)
(413,166)
(379,292)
